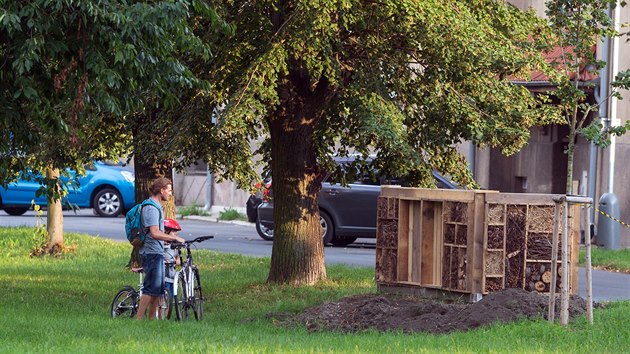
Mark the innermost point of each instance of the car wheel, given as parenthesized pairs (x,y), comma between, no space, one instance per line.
(108,203)
(263,231)
(327,227)
(343,241)
(15,211)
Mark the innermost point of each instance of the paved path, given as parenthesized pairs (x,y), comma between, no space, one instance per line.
(607,286)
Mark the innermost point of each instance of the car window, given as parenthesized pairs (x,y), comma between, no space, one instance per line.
(444,182)
(370,179)
(374,179)
(396,181)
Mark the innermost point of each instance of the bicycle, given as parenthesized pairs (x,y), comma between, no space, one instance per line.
(126,301)
(187,294)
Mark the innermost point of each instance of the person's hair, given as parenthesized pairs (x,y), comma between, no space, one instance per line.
(158,184)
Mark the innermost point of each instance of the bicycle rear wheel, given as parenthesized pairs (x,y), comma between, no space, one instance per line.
(198,297)
(182,306)
(125,303)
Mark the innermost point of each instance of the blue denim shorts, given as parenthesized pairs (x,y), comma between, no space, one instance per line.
(153,267)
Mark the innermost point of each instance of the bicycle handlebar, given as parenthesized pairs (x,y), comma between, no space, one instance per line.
(175,245)
(201,238)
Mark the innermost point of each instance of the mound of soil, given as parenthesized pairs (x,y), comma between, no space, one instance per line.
(385,312)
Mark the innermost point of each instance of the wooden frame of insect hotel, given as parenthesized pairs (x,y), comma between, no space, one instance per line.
(471,242)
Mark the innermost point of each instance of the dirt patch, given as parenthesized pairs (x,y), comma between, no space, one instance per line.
(394,312)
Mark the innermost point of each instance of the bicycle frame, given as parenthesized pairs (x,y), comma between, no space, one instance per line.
(186,276)
(189,276)
(140,283)
(187,268)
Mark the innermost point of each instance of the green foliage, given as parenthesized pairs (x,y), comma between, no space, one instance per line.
(192,210)
(600,134)
(577,28)
(404,79)
(72,70)
(40,234)
(622,81)
(231,214)
(62,305)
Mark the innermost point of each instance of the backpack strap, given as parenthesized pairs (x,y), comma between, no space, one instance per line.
(146,202)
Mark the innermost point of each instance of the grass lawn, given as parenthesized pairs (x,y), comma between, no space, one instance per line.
(615,260)
(62,305)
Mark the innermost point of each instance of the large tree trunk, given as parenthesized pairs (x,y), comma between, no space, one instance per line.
(145,174)
(297,256)
(298,252)
(146,167)
(54,219)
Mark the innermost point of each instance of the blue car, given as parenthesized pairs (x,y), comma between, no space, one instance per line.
(107,187)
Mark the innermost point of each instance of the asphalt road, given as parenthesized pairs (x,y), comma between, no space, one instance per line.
(238,237)
(242,238)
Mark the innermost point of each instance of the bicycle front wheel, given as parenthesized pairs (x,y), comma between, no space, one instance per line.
(125,303)
(198,301)
(182,306)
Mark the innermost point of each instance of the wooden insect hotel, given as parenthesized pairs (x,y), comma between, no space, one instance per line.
(470,242)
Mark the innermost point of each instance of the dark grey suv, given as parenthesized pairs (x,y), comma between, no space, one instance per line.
(346,213)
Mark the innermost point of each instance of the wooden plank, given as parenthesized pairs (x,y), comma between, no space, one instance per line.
(438,245)
(415,247)
(403,240)
(476,235)
(521,198)
(428,243)
(427,194)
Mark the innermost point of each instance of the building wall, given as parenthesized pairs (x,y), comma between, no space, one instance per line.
(536,5)
(191,189)
(227,195)
(621,172)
